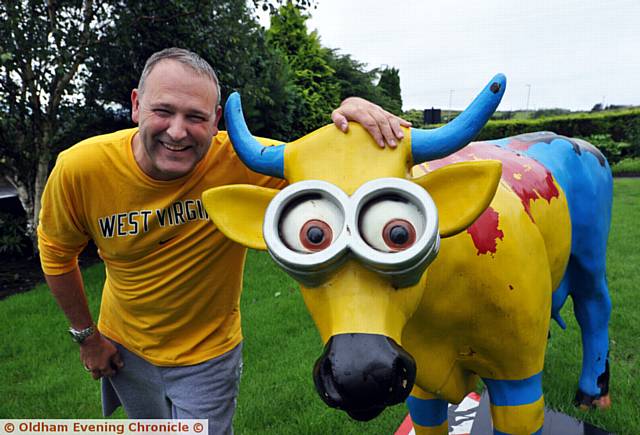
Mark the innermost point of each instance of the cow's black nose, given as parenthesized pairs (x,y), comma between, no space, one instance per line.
(363,373)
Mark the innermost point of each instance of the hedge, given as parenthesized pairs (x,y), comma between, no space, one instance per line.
(622,127)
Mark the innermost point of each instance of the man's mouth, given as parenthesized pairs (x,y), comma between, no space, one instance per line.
(174,147)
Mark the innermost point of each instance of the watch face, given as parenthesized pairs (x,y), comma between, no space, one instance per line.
(73,333)
(80,336)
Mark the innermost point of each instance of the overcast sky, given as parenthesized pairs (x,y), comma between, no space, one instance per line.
(567,53)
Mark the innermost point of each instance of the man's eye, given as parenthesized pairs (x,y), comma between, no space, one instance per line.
(161,112)
(197,118)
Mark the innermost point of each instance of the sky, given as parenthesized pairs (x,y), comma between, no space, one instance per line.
(568,54)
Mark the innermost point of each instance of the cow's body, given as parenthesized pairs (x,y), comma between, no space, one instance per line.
(489,290)
(481,308)
(486,307)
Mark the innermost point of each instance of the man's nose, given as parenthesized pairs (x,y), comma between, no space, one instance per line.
(177,130)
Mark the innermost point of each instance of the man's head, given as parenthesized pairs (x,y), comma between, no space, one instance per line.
(177,108)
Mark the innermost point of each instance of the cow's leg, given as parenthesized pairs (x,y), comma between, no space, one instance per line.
(428,413)
(592,307)
(559,297)
(517,406)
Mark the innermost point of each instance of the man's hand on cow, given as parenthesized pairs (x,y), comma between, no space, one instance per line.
(100,357)
(383,126)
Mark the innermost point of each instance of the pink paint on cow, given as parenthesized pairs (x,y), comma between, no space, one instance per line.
(520,145)
(526,177)
(485,232)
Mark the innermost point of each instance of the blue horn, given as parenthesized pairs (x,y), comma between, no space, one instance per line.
(440,142)
(268,160)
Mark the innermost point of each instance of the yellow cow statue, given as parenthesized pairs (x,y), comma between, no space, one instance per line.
(418,285)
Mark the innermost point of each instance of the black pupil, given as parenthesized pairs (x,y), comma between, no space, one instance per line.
(399,235)
(315,235)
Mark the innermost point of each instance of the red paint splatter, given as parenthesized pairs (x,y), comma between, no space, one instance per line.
(485,232)
(526,177)
(474,396)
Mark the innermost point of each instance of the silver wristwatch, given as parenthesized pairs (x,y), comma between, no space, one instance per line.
(81,335)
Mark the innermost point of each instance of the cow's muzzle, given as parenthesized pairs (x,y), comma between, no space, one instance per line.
(363,373)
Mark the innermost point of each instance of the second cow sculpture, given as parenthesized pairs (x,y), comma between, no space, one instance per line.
(420,285)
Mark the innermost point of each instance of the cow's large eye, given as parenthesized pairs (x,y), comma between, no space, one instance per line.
(310,224)
(391,224)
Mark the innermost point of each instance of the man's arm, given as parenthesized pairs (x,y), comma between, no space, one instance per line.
(381,125)
(98,354)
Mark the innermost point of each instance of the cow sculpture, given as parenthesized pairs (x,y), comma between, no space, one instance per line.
(420,285)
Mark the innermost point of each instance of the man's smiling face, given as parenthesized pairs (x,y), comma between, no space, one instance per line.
(177,115)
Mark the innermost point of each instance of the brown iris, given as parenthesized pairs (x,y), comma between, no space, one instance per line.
(316,235)
(399,234)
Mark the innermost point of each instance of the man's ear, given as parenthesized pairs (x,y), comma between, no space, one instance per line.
(135,105)
(218,116)
(462,192)
(238,211)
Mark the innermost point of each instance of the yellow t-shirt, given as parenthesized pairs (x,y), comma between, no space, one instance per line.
(173,281)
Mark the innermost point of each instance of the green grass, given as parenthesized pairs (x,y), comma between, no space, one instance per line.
(628,166)
(41,375)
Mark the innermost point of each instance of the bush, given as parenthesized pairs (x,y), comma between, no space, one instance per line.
(622,127)
(13,238)
(627,167)
(612,150)
(415,117)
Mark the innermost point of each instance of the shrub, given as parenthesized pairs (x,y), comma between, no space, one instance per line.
(13,238)
(622,127)
(628,166)
(613,151)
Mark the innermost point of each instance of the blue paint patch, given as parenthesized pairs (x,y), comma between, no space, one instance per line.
(267,160)
(514,393)
(585,177)
(427,412)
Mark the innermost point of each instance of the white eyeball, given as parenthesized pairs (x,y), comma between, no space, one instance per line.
(311,224)
(391,225)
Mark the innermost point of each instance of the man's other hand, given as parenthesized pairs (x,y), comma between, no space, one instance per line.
(383,126)
(100,357)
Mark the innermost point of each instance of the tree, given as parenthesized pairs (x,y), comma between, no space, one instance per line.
(44,45)
(67,68)
(271,111)
(272,6)
(390,84)
(323,77)
(313,79)
(224,32)
(354,80)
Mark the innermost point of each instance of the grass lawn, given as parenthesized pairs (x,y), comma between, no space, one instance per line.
(41,375)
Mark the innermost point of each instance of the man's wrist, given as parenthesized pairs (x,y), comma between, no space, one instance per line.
(80,335)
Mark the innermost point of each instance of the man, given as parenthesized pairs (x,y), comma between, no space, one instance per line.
(168,341)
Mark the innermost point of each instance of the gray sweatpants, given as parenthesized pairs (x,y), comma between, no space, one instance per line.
(207,390)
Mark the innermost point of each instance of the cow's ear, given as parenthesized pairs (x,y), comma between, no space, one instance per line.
(238,211)
(461,191)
